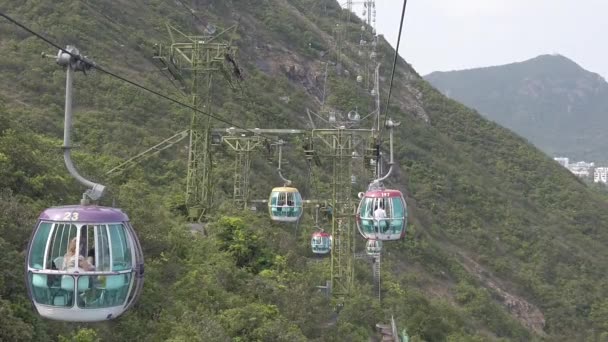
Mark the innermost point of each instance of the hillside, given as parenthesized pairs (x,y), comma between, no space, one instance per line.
(503,244)
(550,100)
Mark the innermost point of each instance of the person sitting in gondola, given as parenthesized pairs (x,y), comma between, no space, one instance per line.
(380,218)
(279,206)
(91,256)
(289,207)
(69,260)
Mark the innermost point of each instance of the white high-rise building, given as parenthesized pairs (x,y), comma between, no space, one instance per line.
(562,161)
(581,168)
(600,175)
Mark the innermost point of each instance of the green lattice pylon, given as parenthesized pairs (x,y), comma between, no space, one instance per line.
(193,60)
(338,146)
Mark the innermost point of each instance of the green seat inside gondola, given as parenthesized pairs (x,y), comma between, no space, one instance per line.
(397,223)
(367,225)
(40,287)
(396,226)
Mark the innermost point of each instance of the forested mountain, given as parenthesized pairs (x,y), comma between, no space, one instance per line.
(550,100)
(503,243)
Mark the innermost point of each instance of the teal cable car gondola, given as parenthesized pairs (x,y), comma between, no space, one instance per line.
(382,215)
(285,204)
(320,243)
(373,247)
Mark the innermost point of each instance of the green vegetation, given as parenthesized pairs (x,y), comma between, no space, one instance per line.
(490,216)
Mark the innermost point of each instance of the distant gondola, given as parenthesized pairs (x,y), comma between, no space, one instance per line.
(285,204)
(320,243)
(373,247)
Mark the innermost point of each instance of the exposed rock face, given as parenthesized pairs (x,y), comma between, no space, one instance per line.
(522,310)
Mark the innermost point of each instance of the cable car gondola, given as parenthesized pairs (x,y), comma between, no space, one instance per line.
(373,247)
(285,204)
(84,264)
(382,215)
(320,243)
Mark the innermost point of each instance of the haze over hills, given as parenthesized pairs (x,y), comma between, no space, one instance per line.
(502,244)
(550,100)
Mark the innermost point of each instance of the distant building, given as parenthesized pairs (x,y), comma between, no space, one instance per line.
(562,161)
(581,173)
(581,168)
(600,175)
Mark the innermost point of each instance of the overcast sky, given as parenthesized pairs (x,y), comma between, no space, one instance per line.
(457,34)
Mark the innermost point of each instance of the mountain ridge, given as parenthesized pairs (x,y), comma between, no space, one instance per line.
(542,60)
(549,99)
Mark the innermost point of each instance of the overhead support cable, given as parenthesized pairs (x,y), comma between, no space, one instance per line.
(133,83)
(390,88)
(193,12)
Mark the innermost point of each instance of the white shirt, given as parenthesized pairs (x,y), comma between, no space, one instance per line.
(379,214)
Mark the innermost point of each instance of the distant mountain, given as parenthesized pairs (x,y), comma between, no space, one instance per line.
(550,100)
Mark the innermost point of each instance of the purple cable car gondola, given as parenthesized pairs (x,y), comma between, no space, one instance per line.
(84,264)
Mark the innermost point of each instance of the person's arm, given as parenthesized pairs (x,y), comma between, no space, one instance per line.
(83,263)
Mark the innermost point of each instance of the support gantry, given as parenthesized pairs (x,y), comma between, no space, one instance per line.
(340,145)
(193,60)
(243,146)
(244,142)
